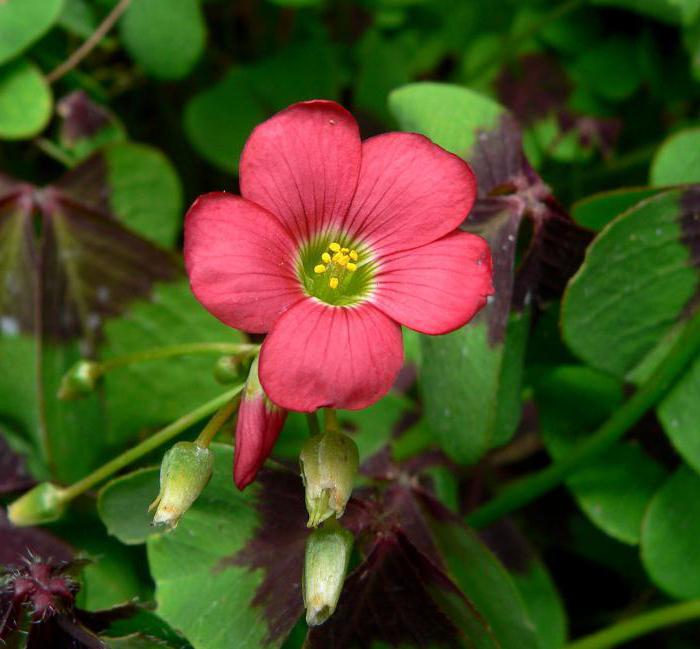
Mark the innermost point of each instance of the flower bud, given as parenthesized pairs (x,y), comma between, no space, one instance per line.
(42,504)
(79,381)
(325,564)
(257,429)
(228,370)
(329,464)
(185,471)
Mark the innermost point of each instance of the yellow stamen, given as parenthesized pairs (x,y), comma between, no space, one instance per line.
(326,258)
(333,282)
(319,269)
(344,250)
(334,247)
(336,256)
(353,255)
(343,260)
(351,267)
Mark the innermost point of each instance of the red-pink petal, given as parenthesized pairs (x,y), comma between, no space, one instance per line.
(302,164)
(337,357)
(240,261)
(438,287)
(410,192)
(258,427)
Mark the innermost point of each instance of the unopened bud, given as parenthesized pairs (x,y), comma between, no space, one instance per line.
(79,381)
(42,504)
(329,464)
(325,564)
(185,471)
(228,369)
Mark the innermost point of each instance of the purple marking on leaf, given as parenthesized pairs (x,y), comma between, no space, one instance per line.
(690,237)
(506,541)
(277,548)
(82,117)
(399,597)
(60,285)
(14,475)
(510,190)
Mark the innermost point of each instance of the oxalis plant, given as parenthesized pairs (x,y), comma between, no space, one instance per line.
(418,368)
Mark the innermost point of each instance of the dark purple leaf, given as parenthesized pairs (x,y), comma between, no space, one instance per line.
(81,117)
(16,543)
(13,470)
(511,191)
(278,549)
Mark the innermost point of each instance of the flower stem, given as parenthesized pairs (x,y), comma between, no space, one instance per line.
(168,351)
(312,421)
(217,421)
(153,442)
(521,492)
(640,625)
(331,423)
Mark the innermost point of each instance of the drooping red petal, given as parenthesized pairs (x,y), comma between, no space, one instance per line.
(240,261)
(258,427)
(302,164)
(438,287)
(337,357)
(410,192)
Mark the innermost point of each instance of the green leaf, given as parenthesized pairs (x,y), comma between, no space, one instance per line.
(123,505)
(165,37)
(610,69)
(596,211)
(25,99)
(679,414)
(678,159)
(146,194)
(219,119)
(449,115)
(135,641)
(78,17)
(615,490)
(670,536)
(627,300)
(207,598)
(22,22)
(151,394)
(665,10)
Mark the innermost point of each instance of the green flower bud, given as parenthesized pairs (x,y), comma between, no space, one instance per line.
(185,471)
(228,370)
(329,464)
(325,564)
(79,381)
(42,504)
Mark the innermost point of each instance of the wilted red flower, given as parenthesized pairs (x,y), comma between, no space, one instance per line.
(334,245)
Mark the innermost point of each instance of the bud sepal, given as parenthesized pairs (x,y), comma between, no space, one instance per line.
(185,471)
(80,380)
(42,504)
(328,463)
(326,560)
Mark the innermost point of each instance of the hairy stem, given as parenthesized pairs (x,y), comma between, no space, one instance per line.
(153,442)
(638,626)
(74,59)
(168,351)
(521,492)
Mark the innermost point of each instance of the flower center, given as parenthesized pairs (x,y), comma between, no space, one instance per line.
(337,274)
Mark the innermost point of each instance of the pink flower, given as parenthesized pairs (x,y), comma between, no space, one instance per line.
(257,429)
(333,246)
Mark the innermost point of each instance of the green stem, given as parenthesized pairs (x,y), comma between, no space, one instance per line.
(521,492)
(331,423)
(216,422)
(312,421)
(168,351)
(153,442)
(640,625)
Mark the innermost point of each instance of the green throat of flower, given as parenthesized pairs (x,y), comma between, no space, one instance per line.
(336,271)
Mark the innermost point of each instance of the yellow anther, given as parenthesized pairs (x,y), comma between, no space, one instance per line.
(333,282)
(343,260)
(326,258)
(345,250)
(319,269)
(351,267)
(334,247)
(336,256)
(353,255)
